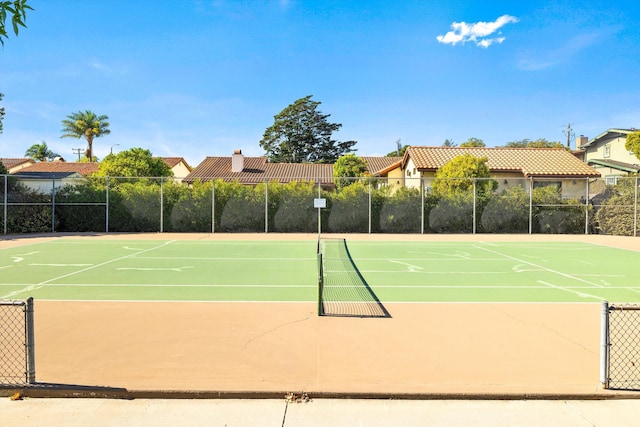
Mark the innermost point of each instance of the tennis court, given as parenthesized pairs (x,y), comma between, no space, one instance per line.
(283,270)
(463,314)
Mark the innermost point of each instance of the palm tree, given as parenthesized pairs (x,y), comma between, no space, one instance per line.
(85,125)
(40,152)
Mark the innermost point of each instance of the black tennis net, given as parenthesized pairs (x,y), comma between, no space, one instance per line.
(342,290)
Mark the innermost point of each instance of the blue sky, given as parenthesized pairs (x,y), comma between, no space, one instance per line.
(197,78)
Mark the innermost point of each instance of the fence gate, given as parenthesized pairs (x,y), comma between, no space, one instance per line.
(620,340)
(17,355)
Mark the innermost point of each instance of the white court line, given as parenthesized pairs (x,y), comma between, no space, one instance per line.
(569,276)
(580,294)
(164,285)
(39,285)
(421,272)
(228,258)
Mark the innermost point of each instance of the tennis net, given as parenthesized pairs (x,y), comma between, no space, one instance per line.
(342,290)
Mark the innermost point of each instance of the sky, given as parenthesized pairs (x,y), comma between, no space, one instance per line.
(198,78)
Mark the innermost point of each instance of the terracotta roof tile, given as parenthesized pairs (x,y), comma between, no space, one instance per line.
(257,170)
(13,162)
(173,161)
(82,168)
(531,162)
(380,163)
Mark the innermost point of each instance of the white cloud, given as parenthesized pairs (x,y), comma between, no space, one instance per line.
(477,32)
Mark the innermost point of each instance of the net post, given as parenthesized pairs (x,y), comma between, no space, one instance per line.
(604,345)
(320,282)
(30,342)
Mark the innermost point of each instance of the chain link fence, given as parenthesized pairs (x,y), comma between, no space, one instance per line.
(620,368)
(354,205)
(17,356)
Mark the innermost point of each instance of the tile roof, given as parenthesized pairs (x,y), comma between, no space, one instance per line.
(13,162)
(377,164)
(173,161)
(258,169)
(82,168)
(614,164)
(531,162)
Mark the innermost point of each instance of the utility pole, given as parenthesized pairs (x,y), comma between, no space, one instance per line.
(570,135)
(77,151)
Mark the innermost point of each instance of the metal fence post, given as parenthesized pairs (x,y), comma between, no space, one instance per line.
(30,342)
(635,210)
(530,205)
(370,210)
(474,206)
(266,205)
(162,204)
(107,205)
(586,208)
(421,205)
(604,344)
(53,205)
(213,205)
(6,199)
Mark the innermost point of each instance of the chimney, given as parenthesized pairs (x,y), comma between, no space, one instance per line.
(237,161)
(580,141)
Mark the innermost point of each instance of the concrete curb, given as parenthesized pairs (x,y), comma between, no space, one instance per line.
(48,391)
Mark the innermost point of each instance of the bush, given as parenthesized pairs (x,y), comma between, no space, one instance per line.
(189,209)
(507,213)
(295,211)
(245,212)
(401,211)
(452,214)
(75,215)
(552,214)
(349,210)
(615,215)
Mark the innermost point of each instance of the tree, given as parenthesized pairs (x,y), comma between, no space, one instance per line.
(449,143)
(85,125)
(457,176)
(538,143)
(17,9)
(136,162)
(633,143)
(301,134)
(399,152)
(40,152)
(473,142)
(348,166)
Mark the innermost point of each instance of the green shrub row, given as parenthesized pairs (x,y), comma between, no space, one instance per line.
(135,206)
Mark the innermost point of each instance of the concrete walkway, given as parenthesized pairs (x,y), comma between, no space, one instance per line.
(319,412)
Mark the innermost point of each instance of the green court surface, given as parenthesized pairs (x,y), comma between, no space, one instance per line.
(396,271)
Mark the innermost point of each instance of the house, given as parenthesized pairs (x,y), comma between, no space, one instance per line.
(508,166)
(256,170)
(178,166)
(606,154)
(45,176)
(13,165)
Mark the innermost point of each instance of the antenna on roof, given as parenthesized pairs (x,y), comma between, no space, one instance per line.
(570,135)
(398,147)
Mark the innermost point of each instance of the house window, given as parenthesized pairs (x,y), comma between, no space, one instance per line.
(606,152)
(408,172)
(540,184)
(611,179)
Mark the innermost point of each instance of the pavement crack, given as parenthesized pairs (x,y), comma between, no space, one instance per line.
(269,331)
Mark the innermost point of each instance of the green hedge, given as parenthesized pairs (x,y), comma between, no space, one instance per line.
(135,206)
